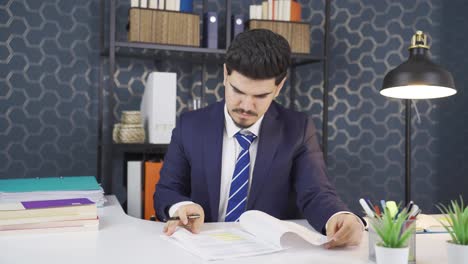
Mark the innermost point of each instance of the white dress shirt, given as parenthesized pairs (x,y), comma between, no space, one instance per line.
(231,149)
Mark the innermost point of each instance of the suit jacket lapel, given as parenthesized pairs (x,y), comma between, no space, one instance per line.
(270,134)
(212,152)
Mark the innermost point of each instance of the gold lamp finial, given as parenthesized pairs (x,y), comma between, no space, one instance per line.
(419,40)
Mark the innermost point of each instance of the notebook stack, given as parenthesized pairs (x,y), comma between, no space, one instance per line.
(51,188)
(48,216)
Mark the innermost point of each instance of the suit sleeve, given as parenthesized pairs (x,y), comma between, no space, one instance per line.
(174,184)
(316,197)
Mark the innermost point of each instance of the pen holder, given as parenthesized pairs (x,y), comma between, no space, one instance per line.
(374,239)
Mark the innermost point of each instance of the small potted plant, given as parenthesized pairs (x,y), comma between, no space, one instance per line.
(457,216)
(394,234)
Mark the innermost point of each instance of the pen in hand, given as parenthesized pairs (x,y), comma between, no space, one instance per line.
(176,218)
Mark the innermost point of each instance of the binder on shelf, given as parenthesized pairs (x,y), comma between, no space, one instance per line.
(152,176)
(134,189)
(186,6)
(210,30)
(158,106)
(237,24)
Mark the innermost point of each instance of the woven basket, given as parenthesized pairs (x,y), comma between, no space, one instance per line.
(131,134)
(115,133)
(131,117)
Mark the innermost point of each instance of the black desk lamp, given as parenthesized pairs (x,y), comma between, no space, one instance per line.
(416,78)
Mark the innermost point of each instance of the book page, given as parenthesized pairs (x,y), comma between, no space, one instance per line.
(263,226)
(257,233)
(310,236)
(430,223)
(280,233)
(221,243)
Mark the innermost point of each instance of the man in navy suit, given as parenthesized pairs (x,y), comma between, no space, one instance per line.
(250,153)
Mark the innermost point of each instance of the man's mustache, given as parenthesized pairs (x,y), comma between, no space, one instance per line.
(242,111)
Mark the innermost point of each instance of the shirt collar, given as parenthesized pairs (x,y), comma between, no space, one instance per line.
(232,128)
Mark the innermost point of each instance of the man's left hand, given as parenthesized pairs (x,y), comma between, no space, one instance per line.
(344,230)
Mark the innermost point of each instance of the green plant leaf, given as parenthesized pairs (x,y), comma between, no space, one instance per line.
(394,232)
(457,215)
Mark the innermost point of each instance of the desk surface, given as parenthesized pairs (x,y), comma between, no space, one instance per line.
(124,239)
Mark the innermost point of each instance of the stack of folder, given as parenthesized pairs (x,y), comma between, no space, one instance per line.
(48,216)
(51,188)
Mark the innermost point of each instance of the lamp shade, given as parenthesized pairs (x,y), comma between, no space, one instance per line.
(418,77)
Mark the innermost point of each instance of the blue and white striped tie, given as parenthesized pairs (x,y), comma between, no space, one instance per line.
(240,180)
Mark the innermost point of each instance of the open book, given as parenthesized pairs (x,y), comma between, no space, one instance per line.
(430,223)
(257,233)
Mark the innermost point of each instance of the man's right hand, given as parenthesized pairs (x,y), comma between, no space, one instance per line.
(193,225)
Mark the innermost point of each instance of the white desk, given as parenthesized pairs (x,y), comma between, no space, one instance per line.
(124,239)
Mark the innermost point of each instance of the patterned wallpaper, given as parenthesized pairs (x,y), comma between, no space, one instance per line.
(49,77)
(49,60)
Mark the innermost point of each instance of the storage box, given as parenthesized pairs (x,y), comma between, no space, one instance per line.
(296,33)
(163,27)
(159,106)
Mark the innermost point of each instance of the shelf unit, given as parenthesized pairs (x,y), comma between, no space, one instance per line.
(197,55)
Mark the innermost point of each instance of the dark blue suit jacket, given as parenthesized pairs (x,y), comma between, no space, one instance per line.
(289,176)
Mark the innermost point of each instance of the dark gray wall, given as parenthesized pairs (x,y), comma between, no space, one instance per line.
(48,87)
(49,72)
(451,146)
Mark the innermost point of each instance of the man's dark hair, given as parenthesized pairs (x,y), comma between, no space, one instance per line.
(259,54)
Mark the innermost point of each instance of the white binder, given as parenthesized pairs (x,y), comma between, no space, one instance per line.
(134,189)
(159,106)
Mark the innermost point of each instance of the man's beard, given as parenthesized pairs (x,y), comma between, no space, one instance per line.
(242,111)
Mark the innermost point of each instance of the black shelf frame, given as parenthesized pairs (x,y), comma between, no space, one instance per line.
(141,148)
(106,150)
(297,59)
(143,45)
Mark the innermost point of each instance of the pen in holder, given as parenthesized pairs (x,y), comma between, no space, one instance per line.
(392,232)
(374,239)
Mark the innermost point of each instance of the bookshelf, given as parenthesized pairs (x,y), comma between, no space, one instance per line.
(111,49)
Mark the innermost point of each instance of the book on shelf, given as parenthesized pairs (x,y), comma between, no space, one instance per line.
(153,4)
(146,19)
(256,233)
(170,5)
(278,10)
(143,3)
(33,212)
